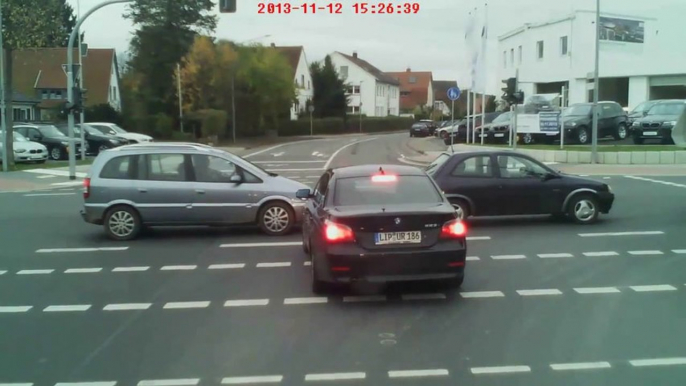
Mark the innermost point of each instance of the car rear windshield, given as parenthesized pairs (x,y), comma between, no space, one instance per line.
(403,190)
(667,109)
(575,110)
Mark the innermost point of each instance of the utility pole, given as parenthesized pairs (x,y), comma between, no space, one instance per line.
(6,131)
(596,86)
(360,112)
(178,90)
(81,85)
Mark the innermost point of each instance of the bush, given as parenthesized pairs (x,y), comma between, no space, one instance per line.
(329,126)
(182,137)
(103,113)
(163,126)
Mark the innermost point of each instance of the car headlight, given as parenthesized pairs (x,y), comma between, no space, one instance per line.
(20,150)
(635,124)
(65,143)
(609,188)
(669,124)
(114,142)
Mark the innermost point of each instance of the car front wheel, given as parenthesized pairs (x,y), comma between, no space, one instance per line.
(122,223)
(56,153)
(461,209)
(621,132)
(583,209)
(276,219)
(582,135)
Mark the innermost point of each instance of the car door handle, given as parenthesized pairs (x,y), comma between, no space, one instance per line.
(142,190)
(199,191)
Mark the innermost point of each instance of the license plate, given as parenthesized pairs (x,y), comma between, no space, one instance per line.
(414,237)
(499,135)
(483,135)
(650,133)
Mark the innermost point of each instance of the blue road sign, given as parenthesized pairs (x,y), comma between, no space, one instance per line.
(453,93)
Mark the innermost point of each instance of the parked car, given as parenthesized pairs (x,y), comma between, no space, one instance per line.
(25,150)
(577,122)
(49,136)
(498,131)
(640,111)
(459,133)
(431,125)
(381,223)
(658,122)
(113,129)
(420,129)
(507,183)
(96,141)
(133,186)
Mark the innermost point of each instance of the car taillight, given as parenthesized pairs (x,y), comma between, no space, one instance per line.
(453,229)
(86,188)
(384,178)
(337,233)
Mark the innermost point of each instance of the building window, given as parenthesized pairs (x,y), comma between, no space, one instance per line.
(302,81)
(539,49)
(404,93)
(563,45)
(504,59)
(353,90)
(344,71)
(520,55)
(45,95)
(308,85)
(413,79)
(512,56)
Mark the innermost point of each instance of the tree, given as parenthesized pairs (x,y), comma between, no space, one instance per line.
(167,30)
(198,71)
(329,99)
(34,24)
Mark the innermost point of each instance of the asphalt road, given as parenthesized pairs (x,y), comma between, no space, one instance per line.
(544,303)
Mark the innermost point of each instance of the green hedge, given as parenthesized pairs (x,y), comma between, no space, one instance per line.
(328,126)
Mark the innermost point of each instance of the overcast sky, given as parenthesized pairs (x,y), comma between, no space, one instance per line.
(431,40)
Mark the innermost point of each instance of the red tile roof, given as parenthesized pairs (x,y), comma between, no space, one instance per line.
(365,65)
(41,68)
(292,55)
(418,90)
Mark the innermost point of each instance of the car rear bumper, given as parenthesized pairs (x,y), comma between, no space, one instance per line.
(344,265)
(92,215)
(605,201)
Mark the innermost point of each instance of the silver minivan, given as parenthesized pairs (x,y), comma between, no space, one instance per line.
(167,184)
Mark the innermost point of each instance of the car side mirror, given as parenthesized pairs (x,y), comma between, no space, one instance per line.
(549,176)
(303,194)
(236,178)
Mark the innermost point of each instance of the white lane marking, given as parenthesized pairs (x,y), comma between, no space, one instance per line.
(16,384)
(105,383)
(500,369)
(606,178)
(35,271)
(310,300)
(252,380)
(246,303)
(59,173)
(307,263)
(603,253)
(127,306)
(406,161)
(473,258)
(653,288)
(434,296)
(355,142)
(14,309)
(83,270)
(226,266)
(597,290)
(418,373)
(130,269)
(289,162)
(59,250)
(609,234)
(554,255)
(482,294)
(366,298)
(46,176)
(2,272)
(645,253)
(181,305)
(539,292)
(478,238)
(178,267)
(68,308)
(679,251)
(334,376)
(658,362)
(580,366)
(48,194)
(278,154)
(508,257)
(274,265)
(252,245)
(170,382)
(69,183)
(656,181)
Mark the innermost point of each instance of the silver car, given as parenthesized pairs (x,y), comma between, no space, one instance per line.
(133,186)
(25,150)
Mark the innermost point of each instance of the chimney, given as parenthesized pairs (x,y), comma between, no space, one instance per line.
(355,54)
(409,69)
(273,45)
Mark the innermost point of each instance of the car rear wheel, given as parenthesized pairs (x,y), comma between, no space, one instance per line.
(582,135)
(461,208)
(56,153)
(122,223)
(276,219)
(528,139)
(621,132)
(583,209)
(444,134)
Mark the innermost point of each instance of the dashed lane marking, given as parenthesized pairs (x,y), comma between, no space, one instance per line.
(679,251)
(482,294)
(657,181)
(539,292)
(14,309)
(68,250)
(554,255)
(83,270)
(170,382)
(127,306)
(653,288)
(246,303)
(500,370)
(597,290)
(580,366)
(418,373)
(613,234)
(603,253)
(106,383)
(130,269)
(645,253)
(658,362)
(178,267)
(334,376)
(307,300)
(226,266)
(183,305)
(508,257)
(274,265)
(68,308)
(254,245)
(35,271)
(252,380)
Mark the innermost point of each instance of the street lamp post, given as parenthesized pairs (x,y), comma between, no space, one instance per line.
(360,112)
(596,86)
(81,115)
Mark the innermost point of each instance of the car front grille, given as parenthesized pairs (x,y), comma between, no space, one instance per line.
(651,125)
(35,151)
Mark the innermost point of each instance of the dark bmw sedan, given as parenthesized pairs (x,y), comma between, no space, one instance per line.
(381,224)
(507,183)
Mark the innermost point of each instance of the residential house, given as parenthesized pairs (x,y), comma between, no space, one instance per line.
(416,89)
(38,75)
(295,55)
(23,107)
(370,91)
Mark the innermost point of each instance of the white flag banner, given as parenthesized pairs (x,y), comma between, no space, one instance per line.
(479,49)
(471,52)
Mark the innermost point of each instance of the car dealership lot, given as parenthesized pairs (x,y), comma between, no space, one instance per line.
(543,302)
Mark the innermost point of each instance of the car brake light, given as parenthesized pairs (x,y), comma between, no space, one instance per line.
(384,178)
(337,233)
(86,188)
(453,229)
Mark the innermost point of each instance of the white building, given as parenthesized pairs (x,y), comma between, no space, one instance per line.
(640,59)
(370,91)
(302,78)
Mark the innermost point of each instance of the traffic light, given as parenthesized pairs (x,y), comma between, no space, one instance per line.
(76,106)
(510,86)
(227,6)
(510,93)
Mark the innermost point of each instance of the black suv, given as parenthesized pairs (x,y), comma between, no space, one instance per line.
(577,121)
(49,136)
(658,122)
(96,141)
(460,135)
(640,111)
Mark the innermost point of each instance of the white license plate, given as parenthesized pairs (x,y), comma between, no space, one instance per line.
(483,135)
(499,135)
(650,133)
(413,237)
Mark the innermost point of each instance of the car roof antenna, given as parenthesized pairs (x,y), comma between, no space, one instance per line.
(381,170)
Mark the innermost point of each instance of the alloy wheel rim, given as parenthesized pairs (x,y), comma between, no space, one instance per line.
(583,137)
(584,210)
(621,132)
(121,223)
(102,148)
(276,219)
(55,153)
(528,139)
